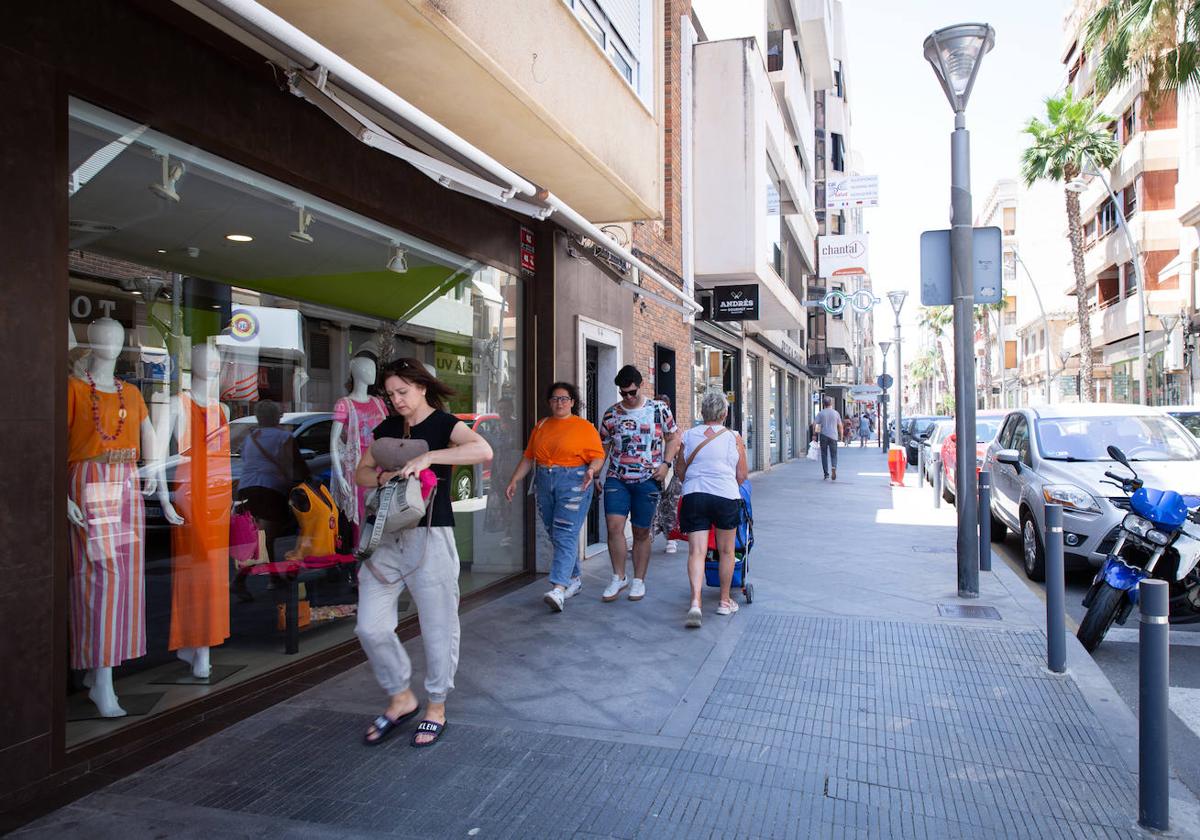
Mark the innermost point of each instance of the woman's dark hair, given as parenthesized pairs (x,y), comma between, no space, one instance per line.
(628,375)
(414,371)
(572,391)
(267,413)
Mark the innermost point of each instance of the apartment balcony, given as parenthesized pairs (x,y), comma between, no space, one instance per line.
(1156,230)
(564,118)
(815,21)
(793,95)
(739,131)
(1148,151)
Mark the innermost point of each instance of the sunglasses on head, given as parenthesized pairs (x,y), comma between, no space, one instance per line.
(628,393)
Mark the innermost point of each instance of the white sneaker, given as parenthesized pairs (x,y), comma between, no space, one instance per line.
(727,607)
(573,588)
(638,591)
(614,588)
(554,599)
(671,549)
(693,617)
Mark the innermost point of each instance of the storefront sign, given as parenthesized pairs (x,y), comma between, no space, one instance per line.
(865,392)
(455,364)
(528,262)
(842,254)
(852,191)
(86,308)
(735,303)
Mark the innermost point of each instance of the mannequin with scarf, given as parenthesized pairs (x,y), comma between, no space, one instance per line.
(354,420)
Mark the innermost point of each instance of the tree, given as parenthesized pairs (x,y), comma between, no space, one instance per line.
(1072,134)
(1157,40)
(922,372)
(936,319)
(983,313)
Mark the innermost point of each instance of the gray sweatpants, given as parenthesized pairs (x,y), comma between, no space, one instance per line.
(431,575)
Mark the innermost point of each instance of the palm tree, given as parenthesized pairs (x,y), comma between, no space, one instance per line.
(1073,133)
(983,313)
(921,374)
(1158,40)
(936,319)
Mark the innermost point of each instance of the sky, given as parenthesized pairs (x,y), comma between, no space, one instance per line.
(901,122)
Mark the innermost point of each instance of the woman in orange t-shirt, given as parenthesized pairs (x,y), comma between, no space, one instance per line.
(567,452)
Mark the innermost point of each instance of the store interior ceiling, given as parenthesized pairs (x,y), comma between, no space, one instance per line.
(116,213)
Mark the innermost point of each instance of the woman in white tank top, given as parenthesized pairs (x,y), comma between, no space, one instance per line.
(712,463)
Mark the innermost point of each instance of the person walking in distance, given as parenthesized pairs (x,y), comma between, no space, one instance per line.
(864,429)
(829,426)
(642,438)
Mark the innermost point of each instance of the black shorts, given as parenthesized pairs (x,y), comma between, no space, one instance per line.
(700,511)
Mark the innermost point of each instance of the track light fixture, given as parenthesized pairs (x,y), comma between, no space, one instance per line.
(301,234)
(398,262)
(170,177)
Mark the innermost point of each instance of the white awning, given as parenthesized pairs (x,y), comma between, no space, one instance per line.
(380,118)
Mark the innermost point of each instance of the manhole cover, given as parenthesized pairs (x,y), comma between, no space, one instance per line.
(968,611)
(933,549)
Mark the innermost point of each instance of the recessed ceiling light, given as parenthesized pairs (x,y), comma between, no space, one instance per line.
(239,237)
(162,250)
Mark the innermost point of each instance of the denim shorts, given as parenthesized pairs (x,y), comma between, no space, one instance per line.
(700,511)
(638,500)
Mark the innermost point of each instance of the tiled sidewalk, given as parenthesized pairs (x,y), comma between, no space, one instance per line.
(839,704)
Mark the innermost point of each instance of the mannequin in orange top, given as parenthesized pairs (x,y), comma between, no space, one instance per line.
(108,431)
(204,496)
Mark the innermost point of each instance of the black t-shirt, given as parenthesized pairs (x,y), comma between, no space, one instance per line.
(434,430)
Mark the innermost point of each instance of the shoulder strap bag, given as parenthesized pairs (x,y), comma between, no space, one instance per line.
(396,506)
(707,440)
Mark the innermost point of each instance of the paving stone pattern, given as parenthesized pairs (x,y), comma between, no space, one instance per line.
(817,727)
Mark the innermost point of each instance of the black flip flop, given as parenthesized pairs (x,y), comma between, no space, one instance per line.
(385,726)
(430,726)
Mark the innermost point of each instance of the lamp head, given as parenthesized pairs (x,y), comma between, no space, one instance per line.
(955,52)
(885,346)
(1076,185)
(398,261)
(897,296)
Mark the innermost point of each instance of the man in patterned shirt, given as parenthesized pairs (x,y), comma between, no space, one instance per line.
(641,437)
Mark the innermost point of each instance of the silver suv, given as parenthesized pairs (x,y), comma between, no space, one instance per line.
(1057,454)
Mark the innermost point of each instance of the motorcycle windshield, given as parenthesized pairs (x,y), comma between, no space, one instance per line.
(1165,508)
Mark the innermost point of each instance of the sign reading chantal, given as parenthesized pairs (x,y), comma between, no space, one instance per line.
(735,303)
(843,254)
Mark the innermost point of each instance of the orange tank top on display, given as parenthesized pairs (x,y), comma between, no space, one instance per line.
(318,524)
(95,425)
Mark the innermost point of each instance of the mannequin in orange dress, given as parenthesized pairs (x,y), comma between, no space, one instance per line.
(204,496)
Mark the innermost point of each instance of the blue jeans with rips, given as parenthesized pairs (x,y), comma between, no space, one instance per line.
(563,505)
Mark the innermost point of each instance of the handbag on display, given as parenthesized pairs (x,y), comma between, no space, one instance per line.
(401,503)
(243,538)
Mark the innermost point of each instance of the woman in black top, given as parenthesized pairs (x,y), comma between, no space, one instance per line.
(422,560)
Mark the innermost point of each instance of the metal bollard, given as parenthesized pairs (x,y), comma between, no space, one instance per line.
(1056,592)
(985,521)
(937,481)
(1153,687)
(920,466)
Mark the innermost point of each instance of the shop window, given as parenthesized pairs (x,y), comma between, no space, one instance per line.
(198,317)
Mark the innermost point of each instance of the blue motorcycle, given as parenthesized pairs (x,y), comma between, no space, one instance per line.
(1151,544)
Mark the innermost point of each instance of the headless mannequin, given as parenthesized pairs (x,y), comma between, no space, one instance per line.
(107,338)
(363,372)
(205,392)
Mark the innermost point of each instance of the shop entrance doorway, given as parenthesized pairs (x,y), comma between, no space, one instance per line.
(599,355)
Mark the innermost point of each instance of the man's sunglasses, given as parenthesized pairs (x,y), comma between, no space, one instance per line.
(631,392)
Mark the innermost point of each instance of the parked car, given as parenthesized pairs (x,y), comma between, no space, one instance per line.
(1188,415)
(1058,454)
(987,426)
(933,443)
(467,482)
(914,429)
(311,429)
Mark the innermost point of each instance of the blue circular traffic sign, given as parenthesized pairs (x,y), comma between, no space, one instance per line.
(884,381)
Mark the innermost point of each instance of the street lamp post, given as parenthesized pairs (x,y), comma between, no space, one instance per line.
(1045,321)
(897,300)
(955,53)
(1079,185)
(884,346)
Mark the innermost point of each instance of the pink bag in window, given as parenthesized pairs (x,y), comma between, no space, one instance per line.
(243,539)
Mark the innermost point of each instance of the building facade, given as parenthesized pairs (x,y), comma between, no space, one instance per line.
(289,201)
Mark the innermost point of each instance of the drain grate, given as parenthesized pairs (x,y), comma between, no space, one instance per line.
(968,611)
(933,549)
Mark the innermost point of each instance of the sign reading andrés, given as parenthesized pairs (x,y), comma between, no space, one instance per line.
(842,255)
(735,303)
